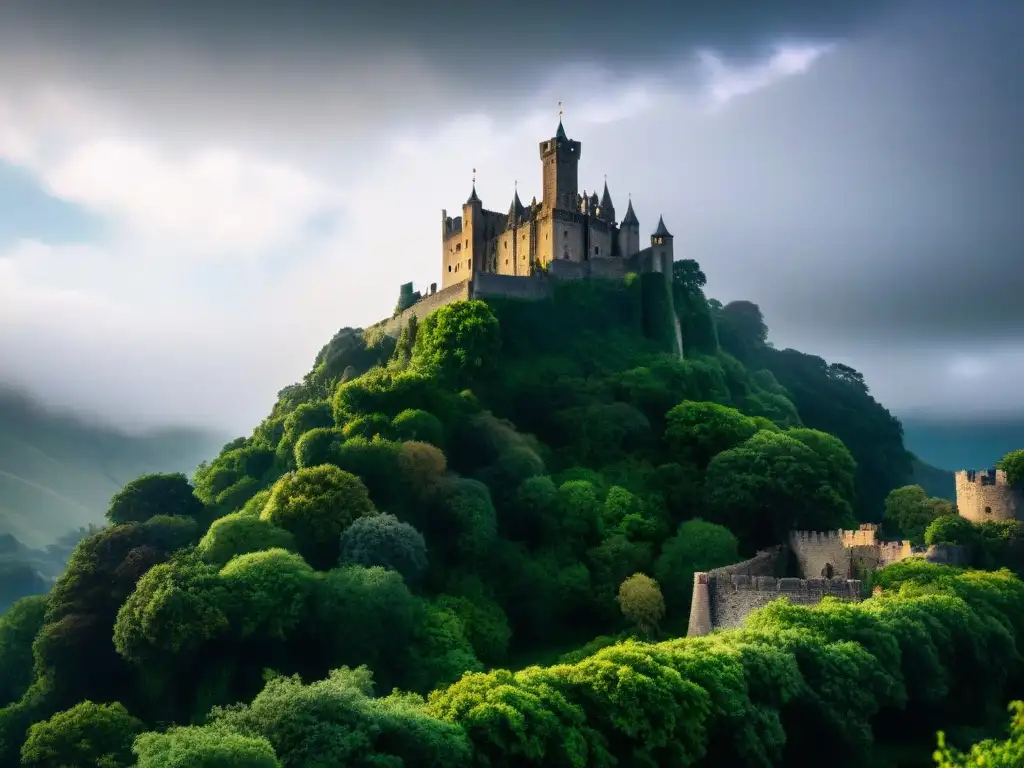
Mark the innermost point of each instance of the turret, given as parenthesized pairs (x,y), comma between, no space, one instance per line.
(560,157)
(629,233)
(605,209)
(661,246)
(472,234)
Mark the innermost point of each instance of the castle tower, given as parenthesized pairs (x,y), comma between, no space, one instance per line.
(473,232)
(661,245)
(629,233)
(606,209)
(986,495)
(560,159)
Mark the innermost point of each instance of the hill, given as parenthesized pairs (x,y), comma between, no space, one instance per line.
(58,471)
(509,484)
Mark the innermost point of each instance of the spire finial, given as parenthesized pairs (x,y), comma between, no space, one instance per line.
(474,176)
(515,185)
(559,111)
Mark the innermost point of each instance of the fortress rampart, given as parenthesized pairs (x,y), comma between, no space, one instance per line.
(985,494)
(831,563)
(722,601)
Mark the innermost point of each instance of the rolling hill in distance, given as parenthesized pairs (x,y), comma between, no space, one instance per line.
(59,470)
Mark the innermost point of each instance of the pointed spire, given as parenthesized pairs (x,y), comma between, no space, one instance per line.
(516,210)
(630,220)
(473,196)
(560,133)
(606,198)
(662,231)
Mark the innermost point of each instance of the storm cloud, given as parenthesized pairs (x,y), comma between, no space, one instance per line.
(854,168)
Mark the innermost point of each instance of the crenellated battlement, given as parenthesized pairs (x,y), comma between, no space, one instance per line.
(841,588)
(982,476)
(986,495)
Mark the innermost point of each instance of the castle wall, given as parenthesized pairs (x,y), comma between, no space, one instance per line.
(457,255)
(986,495)
(816,552)
(568,241)
(531,288)
(393,326)
(608,269)
(629,241)
(600,240)
(706,594)
(733,598)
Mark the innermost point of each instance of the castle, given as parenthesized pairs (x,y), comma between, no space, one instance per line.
(831,564)
(986,495)
(568,235)
(565,225)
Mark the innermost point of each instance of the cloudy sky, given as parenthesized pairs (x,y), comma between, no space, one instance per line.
(195,196)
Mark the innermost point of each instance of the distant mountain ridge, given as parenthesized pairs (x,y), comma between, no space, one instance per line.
(58,471)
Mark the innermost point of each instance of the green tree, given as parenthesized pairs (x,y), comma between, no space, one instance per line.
(317,446)
(458,343)
(770,485)
(951,529)
(1013,464)
(271,591)
(337,722)
(641,602)
(88,734)
(18,629)
(696,546)
(176,608)
(417,424)
(157,494)
(203,747)
(386,541)
(990,753)
(316,505)
(240,533)
(696,432)
(910,511)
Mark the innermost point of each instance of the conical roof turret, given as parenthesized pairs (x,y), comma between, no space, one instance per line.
(516,210)
(630,220)
(560,133)
(473,198)
(606,198)
(662,230)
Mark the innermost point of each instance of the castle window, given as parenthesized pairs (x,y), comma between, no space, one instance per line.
(449,267)
(596,250)
(469,264)
(565,233)
(988,510)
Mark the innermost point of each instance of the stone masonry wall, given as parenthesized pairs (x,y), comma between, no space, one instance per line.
(532,288)
(734,597)
(816,552)
(705,585)
(432,301)
(986,495)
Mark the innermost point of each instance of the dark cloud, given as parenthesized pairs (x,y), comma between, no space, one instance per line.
(345,67)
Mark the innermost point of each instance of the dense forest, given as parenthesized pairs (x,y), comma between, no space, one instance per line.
(474,545)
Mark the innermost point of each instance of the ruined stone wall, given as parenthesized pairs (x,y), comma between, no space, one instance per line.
(823,554)
(459,292)
(764,564)
(986,495)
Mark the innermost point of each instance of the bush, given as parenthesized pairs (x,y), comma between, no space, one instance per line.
(149,495)
(87,734)
(240,533)
(316,505)
(385,541)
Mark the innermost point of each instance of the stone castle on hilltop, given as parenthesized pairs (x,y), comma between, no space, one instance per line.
(565,225)
(568,235)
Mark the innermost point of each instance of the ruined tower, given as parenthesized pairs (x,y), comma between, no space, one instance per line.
(985,494)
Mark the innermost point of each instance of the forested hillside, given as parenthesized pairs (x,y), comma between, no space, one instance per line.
(524,486)
(58,472)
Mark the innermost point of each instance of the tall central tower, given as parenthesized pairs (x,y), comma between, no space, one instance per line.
(560,159)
